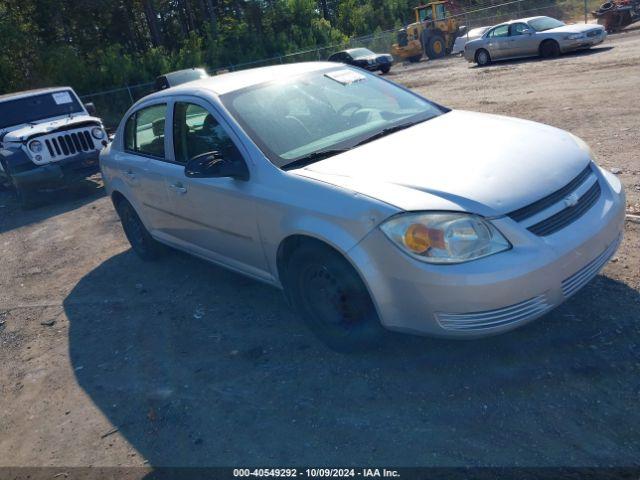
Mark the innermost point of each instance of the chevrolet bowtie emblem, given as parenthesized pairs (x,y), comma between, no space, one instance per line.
(571,200)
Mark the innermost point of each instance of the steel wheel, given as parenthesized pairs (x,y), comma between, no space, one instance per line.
(483,58)
(332,299)
(141,241)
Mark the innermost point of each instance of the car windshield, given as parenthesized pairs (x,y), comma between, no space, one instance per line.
(545,23)
(360,52)
(38,107)
(332,109)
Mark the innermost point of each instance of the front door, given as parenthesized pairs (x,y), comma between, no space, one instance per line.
(217,215)
(522,40)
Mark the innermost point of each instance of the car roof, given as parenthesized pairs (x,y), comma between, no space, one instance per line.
(522,20)
(28,93)
(229,82)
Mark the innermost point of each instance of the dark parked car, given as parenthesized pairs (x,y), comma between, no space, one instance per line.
(48,139)
(364,58)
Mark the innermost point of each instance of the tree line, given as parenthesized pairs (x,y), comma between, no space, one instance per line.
(100,44)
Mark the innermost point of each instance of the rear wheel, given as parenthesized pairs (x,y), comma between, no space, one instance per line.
(331,298)
(145,246)
(549,49)
(436,47)
(482,57)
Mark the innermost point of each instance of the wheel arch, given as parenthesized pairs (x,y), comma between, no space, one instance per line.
(547,41)
(289,244)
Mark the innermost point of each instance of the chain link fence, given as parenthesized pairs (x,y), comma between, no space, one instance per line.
(112,104)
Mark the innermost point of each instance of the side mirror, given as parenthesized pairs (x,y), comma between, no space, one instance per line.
(213,165)
(91,109)
(526,31)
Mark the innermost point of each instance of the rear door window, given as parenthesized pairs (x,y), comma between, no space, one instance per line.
(501,31)
(144,131)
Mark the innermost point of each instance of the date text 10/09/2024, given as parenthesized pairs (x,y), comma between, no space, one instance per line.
(316,472)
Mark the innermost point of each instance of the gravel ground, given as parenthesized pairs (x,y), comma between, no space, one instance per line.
(108,361)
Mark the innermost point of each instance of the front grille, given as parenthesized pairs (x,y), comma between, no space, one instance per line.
(537,207)
(579,279)
(568,215)
(479,321)
(69,143)
(584,190)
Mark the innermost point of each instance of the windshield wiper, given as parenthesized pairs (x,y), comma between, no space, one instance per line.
(389,130)
(313,157)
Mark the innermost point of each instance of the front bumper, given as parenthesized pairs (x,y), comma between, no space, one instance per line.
(58,174)
(496,293)
(587,42)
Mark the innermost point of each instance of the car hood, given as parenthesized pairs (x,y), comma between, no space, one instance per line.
(461,161)
(576,28)
(22,132)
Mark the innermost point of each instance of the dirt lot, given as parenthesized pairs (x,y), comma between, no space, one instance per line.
(183,363)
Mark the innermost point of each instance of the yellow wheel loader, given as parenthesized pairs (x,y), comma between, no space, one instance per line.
(433,33)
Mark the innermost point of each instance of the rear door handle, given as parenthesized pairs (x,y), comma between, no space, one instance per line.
(179,188)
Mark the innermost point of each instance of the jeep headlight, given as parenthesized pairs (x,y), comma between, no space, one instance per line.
(97,133)
(575,36)
(35,146)
(445,237)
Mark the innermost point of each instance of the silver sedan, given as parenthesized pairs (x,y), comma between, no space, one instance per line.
(357,198)
(535,36)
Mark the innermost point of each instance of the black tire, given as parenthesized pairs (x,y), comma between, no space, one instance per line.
(26,198)
(145,246)
(549,49)
(385,69)
(435,47)
(415,58)
(483,57)
(331,298)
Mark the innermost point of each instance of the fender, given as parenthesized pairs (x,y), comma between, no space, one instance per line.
(14,161)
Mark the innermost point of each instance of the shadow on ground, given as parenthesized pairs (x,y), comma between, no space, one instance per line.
(197,366)
(47,204)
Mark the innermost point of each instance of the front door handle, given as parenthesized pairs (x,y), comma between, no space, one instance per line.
(179,188)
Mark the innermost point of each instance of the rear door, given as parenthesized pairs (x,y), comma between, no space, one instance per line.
(498,42)
(143,161)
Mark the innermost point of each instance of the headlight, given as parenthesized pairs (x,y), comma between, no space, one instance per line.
(97,133)
(575,36)
(445,237)
(35,146)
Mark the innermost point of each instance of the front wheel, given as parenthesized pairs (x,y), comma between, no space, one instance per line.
(435,47)
(415,58)
(26,197)
(549,49)
(145,246)
(332,299)
(385,69)
(482,57)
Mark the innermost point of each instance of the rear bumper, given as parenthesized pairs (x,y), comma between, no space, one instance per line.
(497,293)
(58,174)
